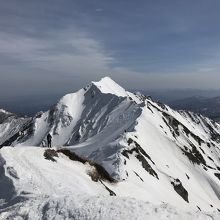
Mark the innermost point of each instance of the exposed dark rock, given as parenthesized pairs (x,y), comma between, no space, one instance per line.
(217,175)
(208,144)
(192,118)
(138,176)
(199,208)
(172,124)
(102,174)
(146,166)
(72,155)
(178,187)
(130,141)
(214,135)
(175,125)
(140,155)
(162,105)
(111,193)
(194,155)
(52,114)
(210,167)
(137,149)
(186,148)
(49,154)
(202,150)
(126,173)
(171,130)
(150,109)
(77,137)
(39,114)
(125,153)
(195,137)
(26,130)
(187,177)
(210,159)
(205,168)
(165,122)
(5,115)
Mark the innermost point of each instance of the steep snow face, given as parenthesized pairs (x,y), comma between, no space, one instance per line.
(157,154)
(174,155)
(10,125)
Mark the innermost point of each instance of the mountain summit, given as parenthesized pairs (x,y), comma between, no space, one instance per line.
(152,152)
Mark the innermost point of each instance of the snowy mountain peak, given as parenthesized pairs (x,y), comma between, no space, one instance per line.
(155,153)
(107,85)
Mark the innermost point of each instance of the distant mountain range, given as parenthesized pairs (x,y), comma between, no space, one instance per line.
(169,95)
(209,107)
(29,105)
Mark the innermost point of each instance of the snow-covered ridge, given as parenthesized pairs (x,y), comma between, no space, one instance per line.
(155,153)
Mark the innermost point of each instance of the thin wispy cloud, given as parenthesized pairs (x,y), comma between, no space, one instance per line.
(49,46)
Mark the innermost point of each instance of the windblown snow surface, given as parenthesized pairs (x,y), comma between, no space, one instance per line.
(162,164)
(35,188)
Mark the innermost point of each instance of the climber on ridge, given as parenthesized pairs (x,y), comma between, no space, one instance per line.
(49,138)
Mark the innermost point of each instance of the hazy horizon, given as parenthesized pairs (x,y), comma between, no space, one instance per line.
(31,104)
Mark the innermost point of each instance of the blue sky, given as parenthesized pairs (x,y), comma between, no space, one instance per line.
(58,46)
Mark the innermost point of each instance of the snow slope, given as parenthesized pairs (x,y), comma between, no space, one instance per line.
(155,153)
(42,189)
